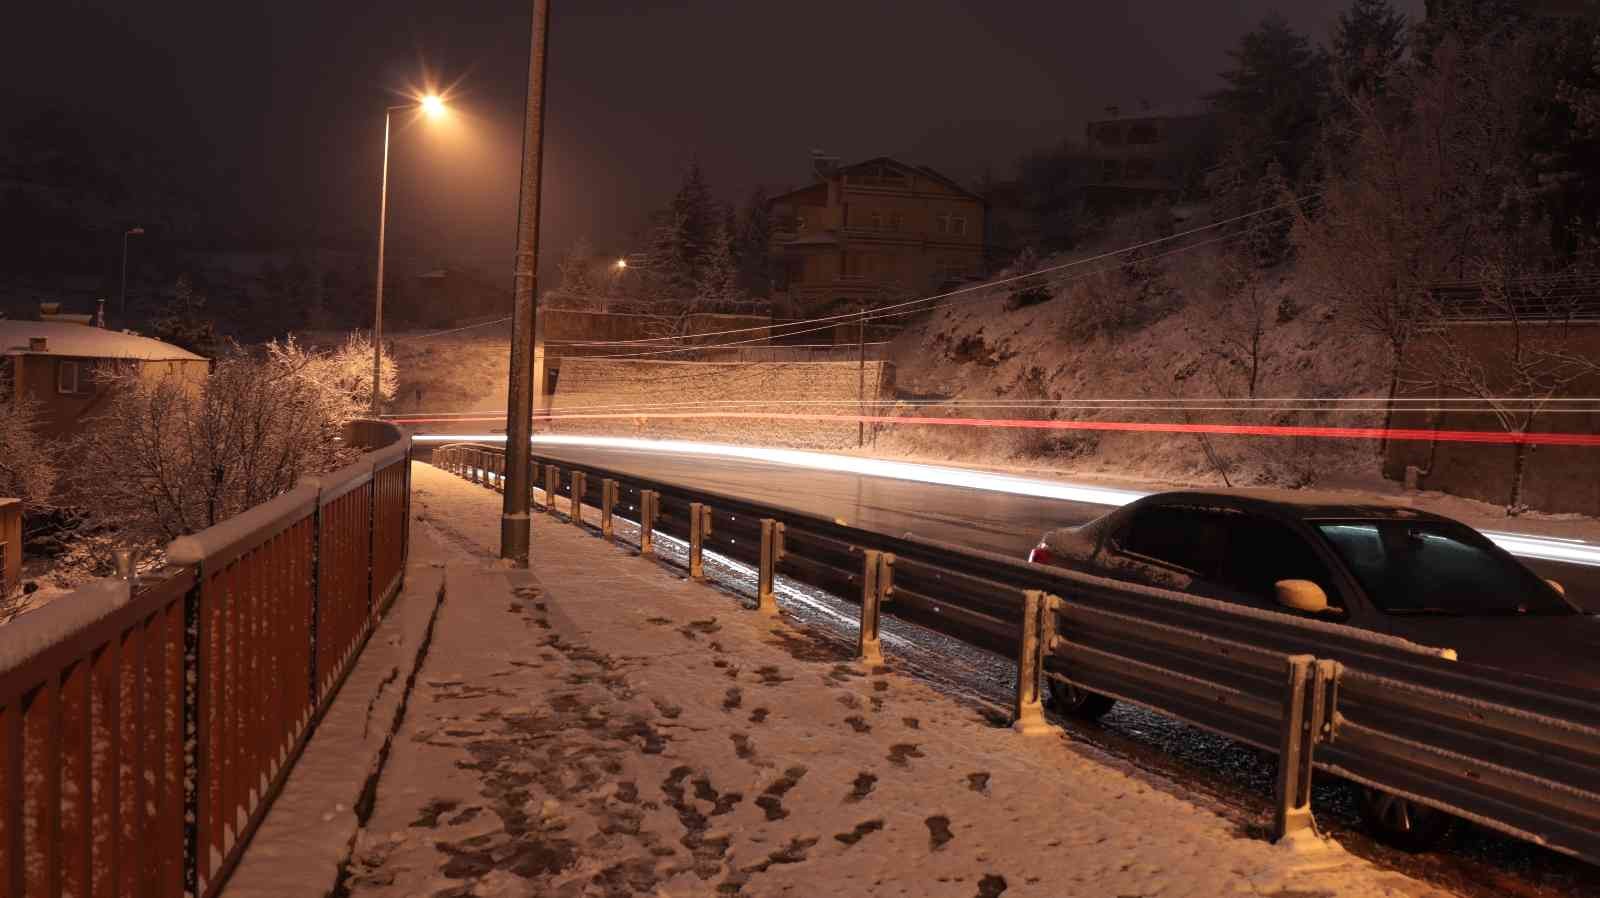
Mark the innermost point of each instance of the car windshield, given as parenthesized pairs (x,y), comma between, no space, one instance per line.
(1437,567)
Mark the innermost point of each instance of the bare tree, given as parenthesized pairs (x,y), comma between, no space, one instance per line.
(340,378)
(1526,361)
(171,456)
(1242,313)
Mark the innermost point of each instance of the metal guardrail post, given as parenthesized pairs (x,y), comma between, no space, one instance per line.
(1037,640)
(868,648)
(499,466)
(648,500)
(1309,694)
(608,506)
(533,481)
(477,466)
(699,529)
(580,485)
(771,554)
(552,487)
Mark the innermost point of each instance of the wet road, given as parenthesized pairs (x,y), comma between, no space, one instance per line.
(983,519)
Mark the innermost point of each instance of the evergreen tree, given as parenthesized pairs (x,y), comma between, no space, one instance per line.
(1368,43)
(1275,95)
(695,219)
(755,233)
(183,324)
(718,286)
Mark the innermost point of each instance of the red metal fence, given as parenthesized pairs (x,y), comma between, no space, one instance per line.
(143,733)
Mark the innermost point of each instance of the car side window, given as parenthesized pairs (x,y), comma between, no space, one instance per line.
(1262,552)
(1189,539)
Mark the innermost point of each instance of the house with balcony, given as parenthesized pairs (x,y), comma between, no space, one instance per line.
(870,232)
(1156,154)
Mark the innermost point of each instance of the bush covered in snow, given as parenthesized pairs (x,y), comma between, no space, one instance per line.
(27,460)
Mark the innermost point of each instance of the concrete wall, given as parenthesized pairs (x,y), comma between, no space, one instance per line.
(592,385)
(1558,478)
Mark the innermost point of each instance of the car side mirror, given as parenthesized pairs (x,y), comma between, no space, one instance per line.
(1302,595)
(1556,585)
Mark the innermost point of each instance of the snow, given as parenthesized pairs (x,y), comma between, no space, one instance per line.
(266,518)
(601,726)
(86,342)
(33,633)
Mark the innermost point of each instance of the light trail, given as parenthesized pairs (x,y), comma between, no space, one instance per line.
(1524,545)
(1399,434)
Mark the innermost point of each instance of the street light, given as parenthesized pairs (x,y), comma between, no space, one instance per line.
(433,106)
(621,264)
(122,299)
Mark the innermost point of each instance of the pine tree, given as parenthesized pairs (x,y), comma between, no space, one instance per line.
(182,323)
(718,287)
(695,216)
(1273,100)
(754,235)
(1368,43)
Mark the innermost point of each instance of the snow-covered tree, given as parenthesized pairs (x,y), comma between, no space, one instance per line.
(577,269)
(170,456)
(183,323)
(341,378)
(27,460)
(718,285)
(752,245)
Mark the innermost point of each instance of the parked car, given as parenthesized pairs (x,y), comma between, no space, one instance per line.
(1388,569)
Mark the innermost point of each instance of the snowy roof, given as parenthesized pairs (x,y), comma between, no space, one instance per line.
(86,342)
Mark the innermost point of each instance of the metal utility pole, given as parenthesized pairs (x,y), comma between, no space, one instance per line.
(122,302)
(514,522)
(377,309)
(861,378)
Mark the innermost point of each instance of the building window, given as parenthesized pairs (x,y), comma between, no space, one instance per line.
(67,377)
(1110,135)
(1143,134)
(1110,170)
(954,225)
(1140,168)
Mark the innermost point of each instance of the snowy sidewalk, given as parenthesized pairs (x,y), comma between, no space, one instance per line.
(600,726)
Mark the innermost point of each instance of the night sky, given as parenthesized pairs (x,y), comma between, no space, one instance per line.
(277,107)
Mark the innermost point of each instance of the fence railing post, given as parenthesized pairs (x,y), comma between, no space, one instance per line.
(647,521)
(196,745)
(868,648)
(533,483)
(1037,639)
(580,485)
(608,506)
(477,466)
(552,487)
(497,463)
(771,554)
(1308,704)
(699,529)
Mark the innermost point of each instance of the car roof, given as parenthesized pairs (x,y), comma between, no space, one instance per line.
(1301,504)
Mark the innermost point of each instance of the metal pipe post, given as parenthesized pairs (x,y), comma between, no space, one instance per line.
(771,550)
(868,649)
(580,485)
(647,521)
(515,527)
(552,487)
(608,506)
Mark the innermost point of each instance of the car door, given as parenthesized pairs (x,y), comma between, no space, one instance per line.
(1261,551)
(1177,547)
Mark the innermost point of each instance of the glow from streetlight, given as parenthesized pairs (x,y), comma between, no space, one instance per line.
(433,105)
(621,264)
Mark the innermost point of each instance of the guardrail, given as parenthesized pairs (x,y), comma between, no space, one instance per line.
(1511,752)
(146,728)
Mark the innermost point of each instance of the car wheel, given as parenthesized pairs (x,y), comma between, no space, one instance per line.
(1403,823)
(1073,701)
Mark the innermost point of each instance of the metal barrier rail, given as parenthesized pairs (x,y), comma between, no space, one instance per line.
(145,731)
(1508,751)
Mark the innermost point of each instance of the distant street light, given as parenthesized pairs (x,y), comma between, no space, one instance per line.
(122,299)
(433,106)
(621,264)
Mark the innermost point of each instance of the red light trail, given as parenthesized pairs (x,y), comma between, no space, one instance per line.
(1257,430)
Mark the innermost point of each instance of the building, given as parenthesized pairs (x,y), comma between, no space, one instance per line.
(873,231)
(1154,155)
(58,363)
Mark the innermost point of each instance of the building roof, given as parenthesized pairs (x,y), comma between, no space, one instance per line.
(923,170)
(81,341)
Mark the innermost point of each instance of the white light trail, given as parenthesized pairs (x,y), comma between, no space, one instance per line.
(1523,545)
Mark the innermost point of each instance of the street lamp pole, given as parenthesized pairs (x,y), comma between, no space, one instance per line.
(122,297)
(515,526)
(433,105)
(377,307)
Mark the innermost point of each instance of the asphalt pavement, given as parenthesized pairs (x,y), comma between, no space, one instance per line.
(983,519)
